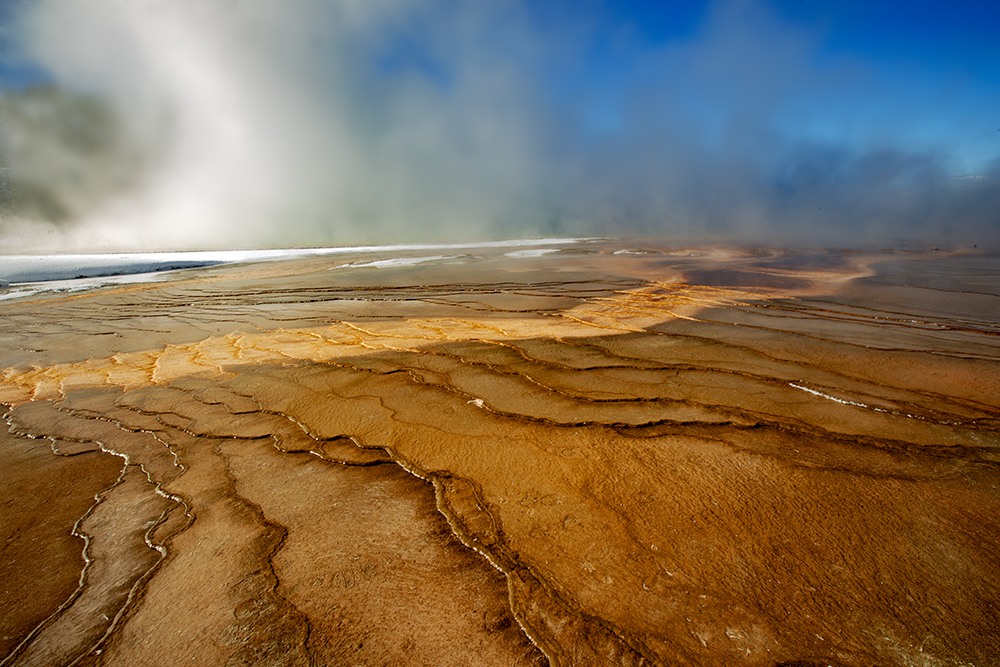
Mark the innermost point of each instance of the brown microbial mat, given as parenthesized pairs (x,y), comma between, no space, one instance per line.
(607,454)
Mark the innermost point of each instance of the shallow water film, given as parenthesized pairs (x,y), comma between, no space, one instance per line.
(612,453)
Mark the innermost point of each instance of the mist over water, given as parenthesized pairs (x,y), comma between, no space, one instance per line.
(223,124)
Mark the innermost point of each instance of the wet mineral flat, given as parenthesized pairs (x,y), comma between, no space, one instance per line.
(610,453)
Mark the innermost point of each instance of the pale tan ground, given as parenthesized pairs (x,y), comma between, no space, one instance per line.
(677,456)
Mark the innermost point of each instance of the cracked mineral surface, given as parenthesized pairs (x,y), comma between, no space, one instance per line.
(614,453)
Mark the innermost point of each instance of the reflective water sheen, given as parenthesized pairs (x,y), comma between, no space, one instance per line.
(615,453)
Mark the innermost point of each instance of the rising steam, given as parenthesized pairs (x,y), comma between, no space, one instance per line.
(182,124)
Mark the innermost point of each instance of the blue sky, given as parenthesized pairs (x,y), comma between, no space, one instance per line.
(416,120)
(925,73)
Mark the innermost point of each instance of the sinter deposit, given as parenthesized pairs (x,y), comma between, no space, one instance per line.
(591,453)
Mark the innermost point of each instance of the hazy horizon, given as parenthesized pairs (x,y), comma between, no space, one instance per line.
(169,125)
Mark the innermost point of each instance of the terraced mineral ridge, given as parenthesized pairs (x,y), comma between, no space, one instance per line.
(610,453)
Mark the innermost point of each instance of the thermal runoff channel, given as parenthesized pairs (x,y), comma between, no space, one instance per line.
(584,453)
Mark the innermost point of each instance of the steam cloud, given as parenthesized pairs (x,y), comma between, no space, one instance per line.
(183,124)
